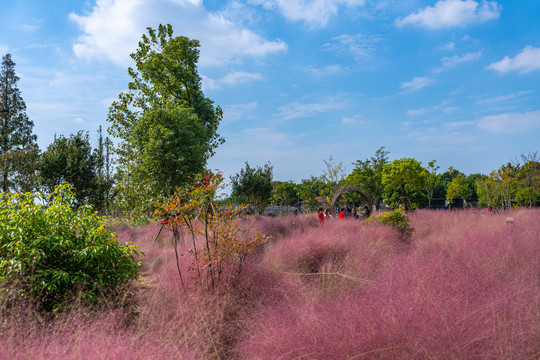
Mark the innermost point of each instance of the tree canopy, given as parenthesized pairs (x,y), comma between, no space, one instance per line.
(17,143)
(253,186)
(69,160)
(402,179)
(367,174)
(167,127)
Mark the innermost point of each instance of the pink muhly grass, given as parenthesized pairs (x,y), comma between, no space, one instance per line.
(467,288)
(281,226)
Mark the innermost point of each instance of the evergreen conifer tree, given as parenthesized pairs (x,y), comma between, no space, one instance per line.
(16,138)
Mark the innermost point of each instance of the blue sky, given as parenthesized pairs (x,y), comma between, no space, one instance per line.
(457,81)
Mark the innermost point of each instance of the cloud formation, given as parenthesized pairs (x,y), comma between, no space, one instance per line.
(313,13)
(297,110)
(451,13)
(112,29)
(361,47)
(511,122)
(417,83)
(526,61)
(449,62)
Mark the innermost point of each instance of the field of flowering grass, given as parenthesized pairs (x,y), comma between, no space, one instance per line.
(466,287)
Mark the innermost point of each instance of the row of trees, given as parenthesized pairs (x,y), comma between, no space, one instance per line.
(68,159)
(399,183)
(167,129)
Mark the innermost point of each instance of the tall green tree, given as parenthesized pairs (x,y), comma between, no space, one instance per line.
(432,179)
(25,165)
(70,160)
(486,188)
(404,181)
(284,193)
(17,140)
(458,188)
(367,174)
(333,177)
(308,190)
(102,193)
(253,186)
(166,126)
(528,176)
(470,182)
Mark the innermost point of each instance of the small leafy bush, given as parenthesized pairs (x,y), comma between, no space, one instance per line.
(54,254)
(398,220)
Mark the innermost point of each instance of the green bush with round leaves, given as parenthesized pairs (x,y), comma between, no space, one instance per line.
(54,254)
(396,219)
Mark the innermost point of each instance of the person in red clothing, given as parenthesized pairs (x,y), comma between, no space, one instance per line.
(321,216)
(342,214)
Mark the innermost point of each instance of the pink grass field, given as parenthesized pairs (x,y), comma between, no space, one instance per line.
(467,287)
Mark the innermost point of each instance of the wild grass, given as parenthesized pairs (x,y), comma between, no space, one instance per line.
(466,287)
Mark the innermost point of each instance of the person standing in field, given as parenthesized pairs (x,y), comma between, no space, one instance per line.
(342,214)
(366,212)
(327,215)
(321,216)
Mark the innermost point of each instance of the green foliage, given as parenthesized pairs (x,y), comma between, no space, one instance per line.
(54,254)
(404,181)
(25,165)
(432,180)
(396,219)
(167,127)
(16,138)
(283,193)
(470,181)
(102,193)
(528,176)
(457,189)
(253,186)
(444,179)
(486,188)
(70,160)
(367,175)
(195,208)
(333,177)
(308,190)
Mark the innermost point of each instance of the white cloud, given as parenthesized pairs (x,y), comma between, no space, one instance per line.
(301,110)
(355,120)
(324,70)
(240,77)
(449,46)
(313,13)
(417,83)
(511,122)
(78,120)
(28,28)
(113,28)
(449,62)
(415,112)
(360,46)
(503,98)
(209,83)
(458,124)
(524,62)
(231,79)
(269,135)
(450,13)
(239,111)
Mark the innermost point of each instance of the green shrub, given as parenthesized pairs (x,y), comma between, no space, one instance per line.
(398,220)
(54,254)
